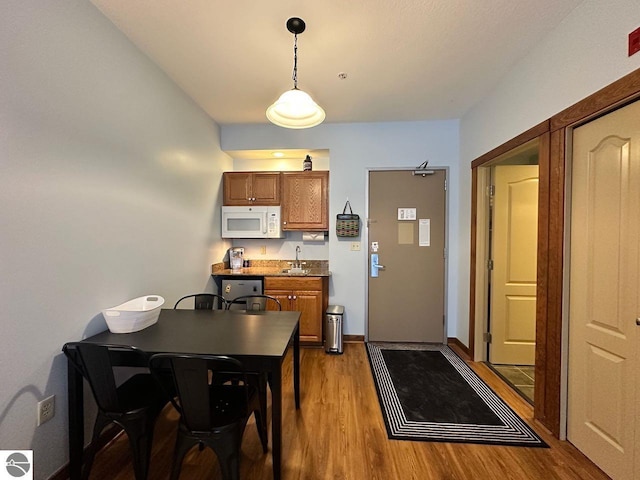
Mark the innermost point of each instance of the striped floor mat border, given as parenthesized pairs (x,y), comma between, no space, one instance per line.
(512,431)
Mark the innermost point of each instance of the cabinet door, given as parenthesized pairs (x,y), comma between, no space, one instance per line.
(265,188)
(305,201)
(306,295)
(310,306)
(237,188)
(283,296)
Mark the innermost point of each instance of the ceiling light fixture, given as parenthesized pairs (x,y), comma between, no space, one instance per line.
(295,108)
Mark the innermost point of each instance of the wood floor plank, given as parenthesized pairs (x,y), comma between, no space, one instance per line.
(339,433)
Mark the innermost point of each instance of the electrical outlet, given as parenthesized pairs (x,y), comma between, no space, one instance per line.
(46,409)
(355,246)
(263,250)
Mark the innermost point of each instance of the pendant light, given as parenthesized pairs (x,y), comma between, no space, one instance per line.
(295,108)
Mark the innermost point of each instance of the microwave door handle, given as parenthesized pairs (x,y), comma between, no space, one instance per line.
(264,223)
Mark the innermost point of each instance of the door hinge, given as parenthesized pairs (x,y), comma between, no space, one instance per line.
(491,190)
(444,254)
(445,184)
(489,264)
(486,337)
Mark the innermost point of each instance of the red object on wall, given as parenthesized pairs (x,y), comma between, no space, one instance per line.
(634,41)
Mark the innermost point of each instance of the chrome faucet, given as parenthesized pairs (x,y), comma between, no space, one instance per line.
(297,264)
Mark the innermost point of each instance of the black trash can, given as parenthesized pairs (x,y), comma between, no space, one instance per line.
(333,329)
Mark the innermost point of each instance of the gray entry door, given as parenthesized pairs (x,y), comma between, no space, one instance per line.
(407,233)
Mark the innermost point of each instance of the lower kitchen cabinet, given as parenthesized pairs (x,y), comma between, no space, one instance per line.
(308,295)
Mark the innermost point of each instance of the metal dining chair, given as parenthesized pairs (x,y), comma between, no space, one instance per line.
(134,404)
(211,414)
(205,301)
(254,303)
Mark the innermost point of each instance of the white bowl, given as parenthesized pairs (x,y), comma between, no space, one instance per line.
(134,315)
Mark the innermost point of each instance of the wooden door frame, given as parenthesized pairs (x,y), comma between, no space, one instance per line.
(550,391)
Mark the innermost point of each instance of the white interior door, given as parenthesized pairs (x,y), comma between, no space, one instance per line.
(407,233)
(604,353)
(514,273)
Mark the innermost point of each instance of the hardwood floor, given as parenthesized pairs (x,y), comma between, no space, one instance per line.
(339,433)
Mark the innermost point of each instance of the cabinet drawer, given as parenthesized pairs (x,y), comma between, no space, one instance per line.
(291,283)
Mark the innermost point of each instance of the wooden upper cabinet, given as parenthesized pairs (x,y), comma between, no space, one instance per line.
(305,201)
(251,188)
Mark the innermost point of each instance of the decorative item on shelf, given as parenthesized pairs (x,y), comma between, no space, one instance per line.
(306,164)
(295,108)
(347,224)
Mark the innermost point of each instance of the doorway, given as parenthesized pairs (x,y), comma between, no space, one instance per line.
(604,292)
(508,221)
(406,252)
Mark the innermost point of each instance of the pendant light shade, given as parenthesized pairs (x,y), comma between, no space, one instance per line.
(295,108)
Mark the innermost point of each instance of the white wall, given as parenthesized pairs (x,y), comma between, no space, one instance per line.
(585,53)
(353,148)
(110,179)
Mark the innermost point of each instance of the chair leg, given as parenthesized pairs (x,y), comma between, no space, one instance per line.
(262,430)
(184,443)
(141,441)
(230,466)
(228,453)
(261,417)
(99,425)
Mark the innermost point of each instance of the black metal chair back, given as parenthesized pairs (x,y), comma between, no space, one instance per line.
(205,301)
(211,413)
(254,303)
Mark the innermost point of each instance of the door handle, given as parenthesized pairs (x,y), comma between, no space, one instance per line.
(638,321)
(375,266)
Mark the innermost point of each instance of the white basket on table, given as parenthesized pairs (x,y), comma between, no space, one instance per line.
(134,315)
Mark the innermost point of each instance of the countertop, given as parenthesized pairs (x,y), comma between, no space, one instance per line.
(273,268)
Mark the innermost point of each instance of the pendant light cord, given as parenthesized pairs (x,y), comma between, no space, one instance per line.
(295,62)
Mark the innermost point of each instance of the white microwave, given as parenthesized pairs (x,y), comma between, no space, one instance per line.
(251,222)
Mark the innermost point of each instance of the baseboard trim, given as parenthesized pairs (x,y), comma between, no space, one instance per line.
(460,348)
(353,339)
(109,434)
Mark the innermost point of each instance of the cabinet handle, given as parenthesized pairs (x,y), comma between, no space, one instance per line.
(295,297)
(289,297)
(284,223)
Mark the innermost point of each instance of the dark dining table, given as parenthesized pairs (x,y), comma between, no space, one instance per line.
(260,340)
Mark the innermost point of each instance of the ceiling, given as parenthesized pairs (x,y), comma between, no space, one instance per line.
(405,60)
